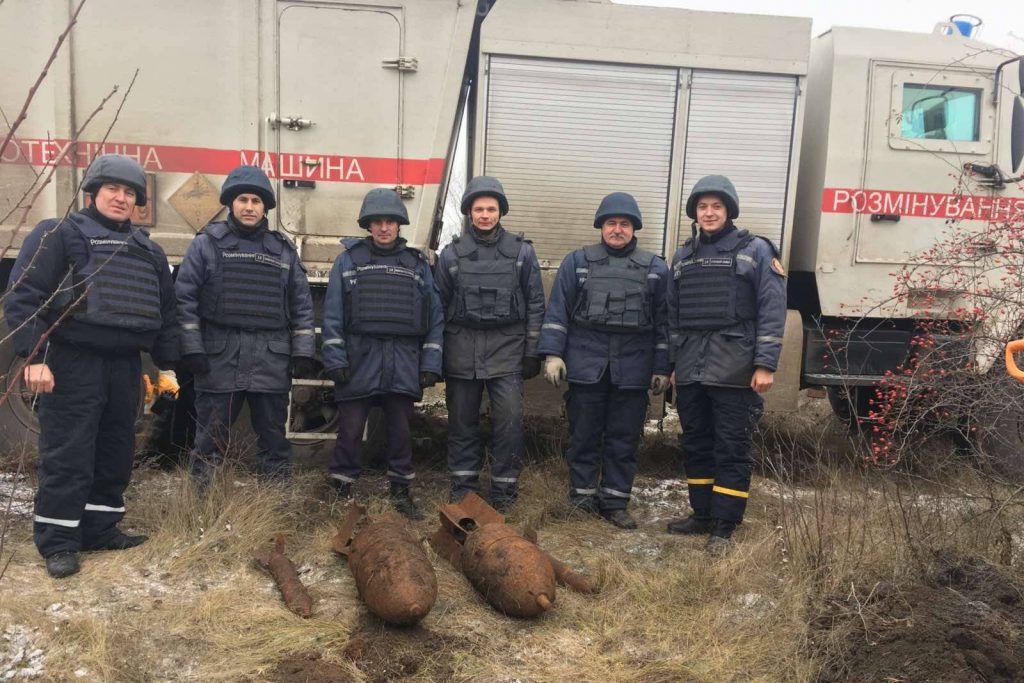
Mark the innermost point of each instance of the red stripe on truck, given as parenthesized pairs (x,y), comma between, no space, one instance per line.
(971,207)
(330,168)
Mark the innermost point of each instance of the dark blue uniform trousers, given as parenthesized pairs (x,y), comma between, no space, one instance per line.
(217,411)
(86,447)
(718,425)
(605,424)
(465,442)
(347,463)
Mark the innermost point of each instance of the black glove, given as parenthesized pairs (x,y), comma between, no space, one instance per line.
(428,379)
(337,375)
(196,363)
(301,366)
(531,367)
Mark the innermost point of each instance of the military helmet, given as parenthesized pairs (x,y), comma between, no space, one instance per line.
(116,168)
(248,179)
(618,204)
(717,185)
(382,202)
(484,186)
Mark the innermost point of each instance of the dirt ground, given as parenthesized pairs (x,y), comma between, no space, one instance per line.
(836,575)
(964,621)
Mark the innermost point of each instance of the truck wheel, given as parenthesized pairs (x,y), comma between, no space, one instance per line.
(850,404)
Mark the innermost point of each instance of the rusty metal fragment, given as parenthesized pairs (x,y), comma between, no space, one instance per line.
(392,572)
(296,598)
(512,574)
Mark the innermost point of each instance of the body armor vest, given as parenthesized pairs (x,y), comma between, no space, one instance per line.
(488,293)
(709,293)
(615,297)
(121,279)
(248,287)
(386,299)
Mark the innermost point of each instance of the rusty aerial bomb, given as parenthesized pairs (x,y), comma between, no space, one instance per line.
(510,572)
(392,572)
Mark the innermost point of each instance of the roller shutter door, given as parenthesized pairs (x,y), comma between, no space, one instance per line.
(741,125)
(560,135)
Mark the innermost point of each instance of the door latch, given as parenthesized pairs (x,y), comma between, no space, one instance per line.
(402,64)
(406,191)
(289,122)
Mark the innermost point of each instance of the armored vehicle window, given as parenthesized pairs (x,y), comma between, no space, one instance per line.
(939,113)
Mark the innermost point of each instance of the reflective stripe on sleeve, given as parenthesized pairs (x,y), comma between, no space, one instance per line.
(585,492)
(770,340)
(432,345)
(190,327)
(554,326)
(465,473)
(301,333)
(613,492)
(505,480)
(334,342)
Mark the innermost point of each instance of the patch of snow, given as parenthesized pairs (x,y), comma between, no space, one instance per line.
(19,660)
(663,498)
(16,490)
(751,600)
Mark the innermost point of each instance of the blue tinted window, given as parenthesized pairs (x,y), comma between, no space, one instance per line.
(939,113)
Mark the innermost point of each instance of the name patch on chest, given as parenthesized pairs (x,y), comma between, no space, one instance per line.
(263,259)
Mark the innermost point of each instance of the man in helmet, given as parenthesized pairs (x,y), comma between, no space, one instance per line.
(494,305)
(606,329)
(246,326)
(89,292)
(727,303)
(382,336)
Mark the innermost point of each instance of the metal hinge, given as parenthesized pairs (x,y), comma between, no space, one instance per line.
(406,191)
(402,64)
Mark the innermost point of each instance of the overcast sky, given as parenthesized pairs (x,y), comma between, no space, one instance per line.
(1003,19)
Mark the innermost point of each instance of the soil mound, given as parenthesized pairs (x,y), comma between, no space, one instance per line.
(963,622)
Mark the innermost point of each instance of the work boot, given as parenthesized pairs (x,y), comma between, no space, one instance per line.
(585,506)
(502,503)
(403,502)
(342,489)
(121,541)
(62,565)
(720,541)
(691,526)
(619,518)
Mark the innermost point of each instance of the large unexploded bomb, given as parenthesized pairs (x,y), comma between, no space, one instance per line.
(510,571)
(392,572)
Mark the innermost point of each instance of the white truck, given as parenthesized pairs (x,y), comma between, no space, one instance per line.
(909,138)
(564,100)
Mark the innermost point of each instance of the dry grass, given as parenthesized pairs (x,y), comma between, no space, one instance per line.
(191,606)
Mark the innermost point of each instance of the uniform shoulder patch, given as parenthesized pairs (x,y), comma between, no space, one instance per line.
(777,267)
